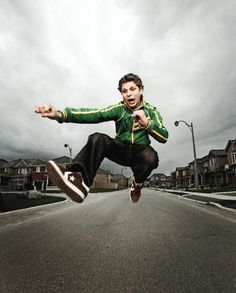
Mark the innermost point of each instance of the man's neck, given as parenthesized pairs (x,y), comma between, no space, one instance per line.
(137,108)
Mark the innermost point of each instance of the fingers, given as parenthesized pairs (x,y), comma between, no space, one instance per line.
(140,117)
(47,111)
(43,109)
(138,114)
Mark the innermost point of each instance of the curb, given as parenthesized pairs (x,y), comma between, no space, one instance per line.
(222,207)
(199,194)
(198,201)
(209,203)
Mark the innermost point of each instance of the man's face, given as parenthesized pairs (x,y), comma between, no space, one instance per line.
(131,94)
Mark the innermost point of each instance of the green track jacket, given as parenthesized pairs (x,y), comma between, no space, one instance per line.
(127,129)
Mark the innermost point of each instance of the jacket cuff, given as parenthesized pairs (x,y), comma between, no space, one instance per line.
(147,127)
(63,116)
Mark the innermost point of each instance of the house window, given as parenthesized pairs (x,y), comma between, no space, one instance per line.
(233,157)
(22,171)
(212,162)
(37,169)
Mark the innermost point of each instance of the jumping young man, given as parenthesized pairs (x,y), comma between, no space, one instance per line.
(135,120)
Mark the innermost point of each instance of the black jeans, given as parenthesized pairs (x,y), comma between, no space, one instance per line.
(142,159)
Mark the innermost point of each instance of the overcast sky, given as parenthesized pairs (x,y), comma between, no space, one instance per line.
(72,53)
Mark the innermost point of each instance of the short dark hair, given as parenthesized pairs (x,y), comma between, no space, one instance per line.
(130,77)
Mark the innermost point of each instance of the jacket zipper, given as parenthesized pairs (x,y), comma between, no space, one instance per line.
(132,133)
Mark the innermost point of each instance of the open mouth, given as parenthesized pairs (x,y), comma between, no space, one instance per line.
(131,100)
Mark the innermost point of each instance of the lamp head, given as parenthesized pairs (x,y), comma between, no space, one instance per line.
(176,123)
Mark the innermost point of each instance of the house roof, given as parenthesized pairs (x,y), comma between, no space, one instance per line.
(181,168)
(119,176)
(37,162)
(2,162)
(158,174)
(220,152)
(14,163)
(23,163)
(203,159)
(62,160)
(229,143)
(200,160)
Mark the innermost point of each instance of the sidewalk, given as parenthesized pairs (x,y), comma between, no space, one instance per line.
(222,200)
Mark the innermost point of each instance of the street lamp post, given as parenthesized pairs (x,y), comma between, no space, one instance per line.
(190,126)
(70,149)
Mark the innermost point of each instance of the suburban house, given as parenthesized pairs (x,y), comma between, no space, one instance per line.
(17,174)
(217,169)
(121,180)
(230,167)
(203,168)
(185,175)
(103,180)
(3,178)
(159,180)
(179,176)
(173,179)
(215,174)
(26,174)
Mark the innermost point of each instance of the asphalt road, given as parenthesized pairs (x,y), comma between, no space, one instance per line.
(107,244)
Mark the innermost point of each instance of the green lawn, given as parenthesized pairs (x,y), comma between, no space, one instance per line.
(16,201)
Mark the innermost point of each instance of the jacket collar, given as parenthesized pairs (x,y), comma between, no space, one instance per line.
(138,108)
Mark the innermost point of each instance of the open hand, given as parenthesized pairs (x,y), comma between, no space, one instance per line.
(47,111)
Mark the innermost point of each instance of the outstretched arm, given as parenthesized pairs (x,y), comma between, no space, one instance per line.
(48,111)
